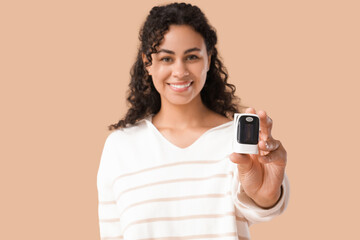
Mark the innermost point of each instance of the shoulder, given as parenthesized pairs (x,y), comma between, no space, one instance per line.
(124,141)
(127,133)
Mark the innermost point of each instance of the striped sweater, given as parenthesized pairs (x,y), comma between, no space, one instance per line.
(148,188)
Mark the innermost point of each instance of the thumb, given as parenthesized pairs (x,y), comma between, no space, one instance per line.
(243,161)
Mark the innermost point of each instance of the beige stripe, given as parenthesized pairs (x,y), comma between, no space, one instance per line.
(206,236)
(176,199)
(112,238)
(160,219)
(241,219)
(223,175)
(110,220)
(165,166)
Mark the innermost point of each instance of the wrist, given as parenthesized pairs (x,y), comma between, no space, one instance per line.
(269,201)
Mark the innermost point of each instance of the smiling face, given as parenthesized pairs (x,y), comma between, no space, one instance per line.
(180,66)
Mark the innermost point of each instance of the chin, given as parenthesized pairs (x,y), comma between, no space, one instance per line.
(181,101)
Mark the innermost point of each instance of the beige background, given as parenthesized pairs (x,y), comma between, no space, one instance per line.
(64,70)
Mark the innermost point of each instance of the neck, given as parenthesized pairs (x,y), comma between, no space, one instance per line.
(181,116)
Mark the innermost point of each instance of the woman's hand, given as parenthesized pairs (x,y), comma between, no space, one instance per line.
(261,175)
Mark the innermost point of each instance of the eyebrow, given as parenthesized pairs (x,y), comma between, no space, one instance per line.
(172,52)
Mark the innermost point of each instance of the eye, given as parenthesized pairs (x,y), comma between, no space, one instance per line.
(165,59)
(192,57)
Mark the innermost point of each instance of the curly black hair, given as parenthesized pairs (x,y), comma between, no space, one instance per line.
(217,94)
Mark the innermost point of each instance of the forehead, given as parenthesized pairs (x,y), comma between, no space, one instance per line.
(182,37)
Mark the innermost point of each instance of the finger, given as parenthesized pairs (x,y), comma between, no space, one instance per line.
(244,162)
(279,156)
(269,145)
(265,125)
(250,110)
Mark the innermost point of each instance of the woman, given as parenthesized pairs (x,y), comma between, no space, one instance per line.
(168,171)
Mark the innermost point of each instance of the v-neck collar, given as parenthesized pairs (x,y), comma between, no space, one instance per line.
(149,121)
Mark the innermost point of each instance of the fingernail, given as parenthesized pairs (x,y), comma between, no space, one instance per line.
(266,145)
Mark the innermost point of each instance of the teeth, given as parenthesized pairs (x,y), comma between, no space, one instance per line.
(180,86)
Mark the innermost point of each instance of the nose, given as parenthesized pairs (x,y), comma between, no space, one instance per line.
(180,70)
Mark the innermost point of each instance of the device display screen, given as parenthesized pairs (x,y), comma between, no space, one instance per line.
(249,130)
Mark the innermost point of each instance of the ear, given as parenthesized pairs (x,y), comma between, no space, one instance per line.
(144,59)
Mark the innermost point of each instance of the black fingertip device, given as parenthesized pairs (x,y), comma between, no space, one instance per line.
(246,135)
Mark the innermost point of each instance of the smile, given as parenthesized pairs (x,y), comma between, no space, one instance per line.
(180,86)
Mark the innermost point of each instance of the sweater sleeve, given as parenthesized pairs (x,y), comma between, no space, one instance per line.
(246,207)
(109,217)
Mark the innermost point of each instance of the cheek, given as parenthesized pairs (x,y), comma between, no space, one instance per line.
(202,71)
(160,74)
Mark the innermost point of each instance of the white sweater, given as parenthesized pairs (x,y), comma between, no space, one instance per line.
(148,188)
